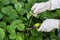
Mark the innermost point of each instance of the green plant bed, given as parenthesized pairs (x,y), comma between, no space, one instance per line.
(16,17)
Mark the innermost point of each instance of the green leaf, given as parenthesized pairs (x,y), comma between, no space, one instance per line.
(10,29)
(6,38)
(22,11)
(5,2)
(53,39)
(13,25)
(18,37)
(34,32)
(10,12)
(33,38)
(13,1)
(22,0)
(57,13)
(28,6)
(1,16)
(13,15)
(29,14)
(21,34)
(1,5)
(18,21)
(45,15)
(47,38)
(2,24)
(23,18)
(12,36)
(44,0)
(2,34)
(7,10)
(21,27)
(31,1)
(18,6)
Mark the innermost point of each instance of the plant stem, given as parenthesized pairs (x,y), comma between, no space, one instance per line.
(30,21)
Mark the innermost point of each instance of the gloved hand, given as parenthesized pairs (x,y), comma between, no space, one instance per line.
(49,24)
(41,7)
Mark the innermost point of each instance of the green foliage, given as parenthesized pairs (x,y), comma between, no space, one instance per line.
(5,2)
(31,1)
(21,27)
(1,16)
(2,34)
(18,6)
(13,1)
(10,29)
(19,37)
(2,24)
(10,14)
(34,32)
(29,14)
(12,36)
(16,19)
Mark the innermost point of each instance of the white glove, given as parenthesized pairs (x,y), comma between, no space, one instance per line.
(41,7)
(54,4)
(48,25)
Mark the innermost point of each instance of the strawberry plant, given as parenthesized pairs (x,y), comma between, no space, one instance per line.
(16,17)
